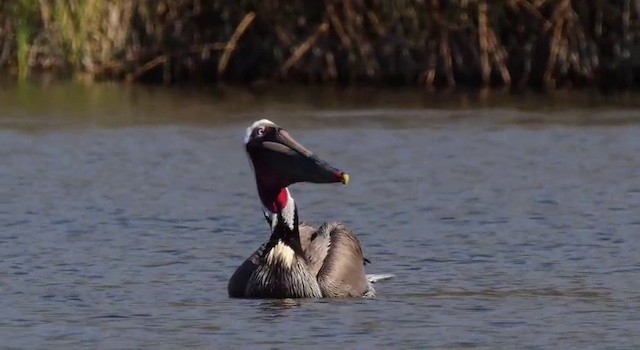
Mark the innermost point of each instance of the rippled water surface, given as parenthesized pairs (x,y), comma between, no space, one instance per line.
(123,212)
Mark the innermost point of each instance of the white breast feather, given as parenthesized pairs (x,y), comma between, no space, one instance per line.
(281,253)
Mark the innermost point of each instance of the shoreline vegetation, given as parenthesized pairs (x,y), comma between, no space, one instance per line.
(435,44)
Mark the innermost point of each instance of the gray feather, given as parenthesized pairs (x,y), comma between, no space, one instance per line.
(377,277)
(341,272)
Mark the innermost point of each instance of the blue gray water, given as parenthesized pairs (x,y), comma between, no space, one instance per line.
(121,224)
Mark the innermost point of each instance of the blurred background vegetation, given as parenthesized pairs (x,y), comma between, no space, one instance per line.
(438,44)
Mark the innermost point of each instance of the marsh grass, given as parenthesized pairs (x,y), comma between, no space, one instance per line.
(24,13)
(89,32)
(437,44)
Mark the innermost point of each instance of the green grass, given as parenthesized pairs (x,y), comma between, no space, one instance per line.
(80,24)
(25,12)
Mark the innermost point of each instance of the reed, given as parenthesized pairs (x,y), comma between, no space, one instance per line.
(544,44)
(90,33)
(24,12)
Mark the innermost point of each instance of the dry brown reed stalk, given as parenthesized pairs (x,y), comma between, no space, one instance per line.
(165,59)
(332,72)
(348,24)
(444,48)
(135,75)
(539,3)
(337,26)
(445,51)
(558,19)
(376,24)
(626,20)
(499,55)
(283,36)
(533,10)
(430,72)
(483,42)
(233,41)
(302,49)
(362,39)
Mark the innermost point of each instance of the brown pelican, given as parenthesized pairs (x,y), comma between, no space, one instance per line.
(298,261)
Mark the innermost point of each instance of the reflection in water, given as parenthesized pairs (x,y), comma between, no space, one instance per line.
(124,211)
(30,107)
(270,309)
(281,303)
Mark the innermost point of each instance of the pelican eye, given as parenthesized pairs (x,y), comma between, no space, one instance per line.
(260,131)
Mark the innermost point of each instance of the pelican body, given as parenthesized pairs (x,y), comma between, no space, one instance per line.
(298,261)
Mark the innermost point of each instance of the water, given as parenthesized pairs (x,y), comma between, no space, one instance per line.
(123,212)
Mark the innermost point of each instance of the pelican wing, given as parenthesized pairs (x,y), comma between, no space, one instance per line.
(238,282)
(334,255)
(315,247)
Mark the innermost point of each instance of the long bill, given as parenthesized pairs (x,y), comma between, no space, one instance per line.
(280,160)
